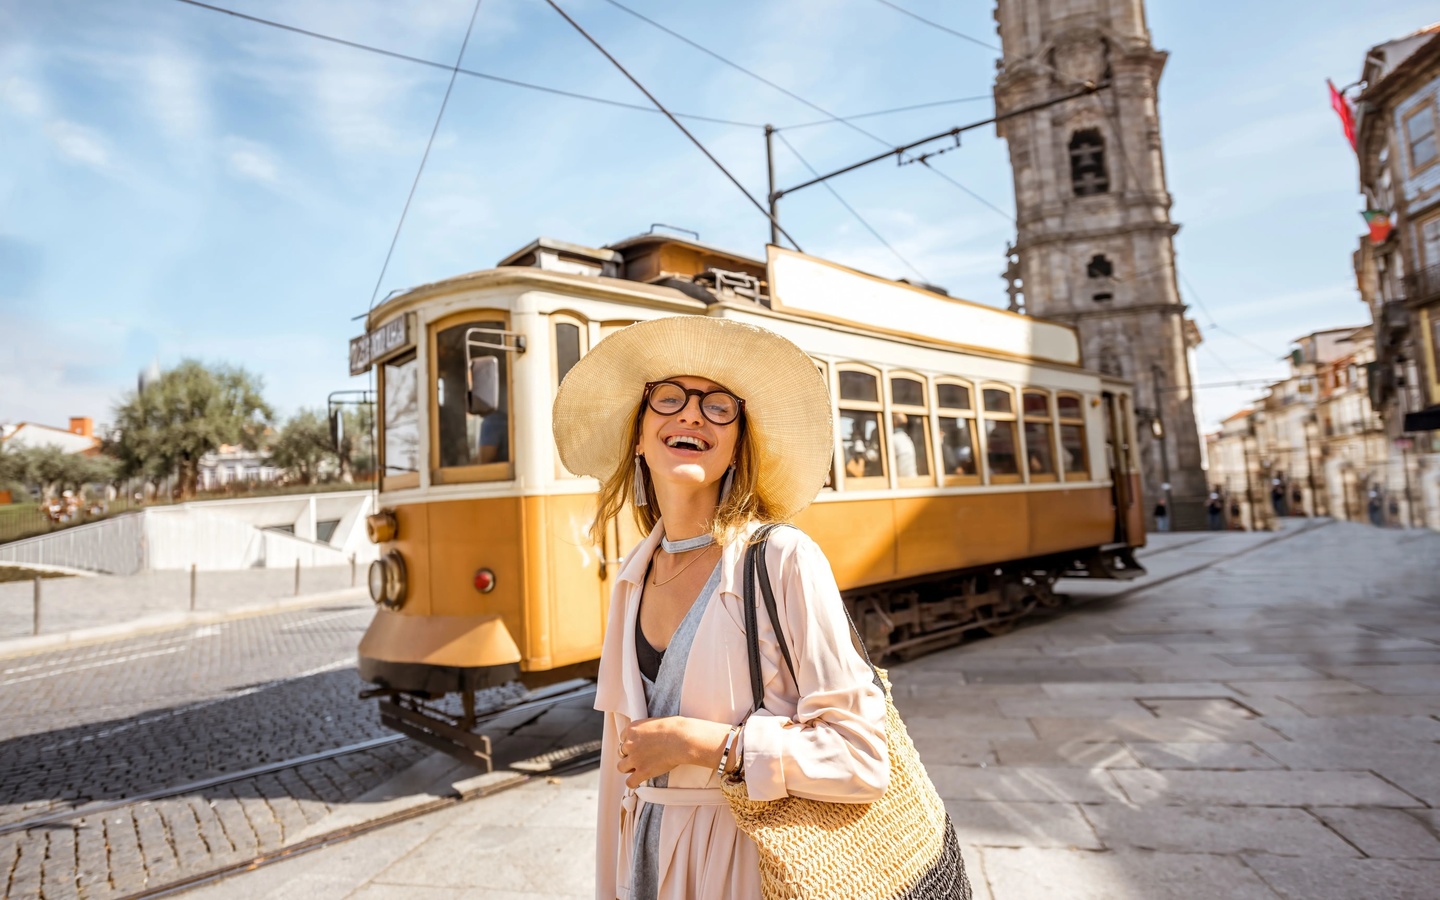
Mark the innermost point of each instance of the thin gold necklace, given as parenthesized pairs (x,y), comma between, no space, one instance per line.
(655,583)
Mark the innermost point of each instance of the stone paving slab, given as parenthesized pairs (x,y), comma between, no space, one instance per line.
(1262,788)
(1202,755)
(1383,833)
(1215,829)
(1041,874)
(1347,879)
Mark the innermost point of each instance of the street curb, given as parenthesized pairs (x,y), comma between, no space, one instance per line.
(27,646)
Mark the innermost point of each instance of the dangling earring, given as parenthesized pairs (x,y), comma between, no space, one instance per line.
(641,498)
(726,484)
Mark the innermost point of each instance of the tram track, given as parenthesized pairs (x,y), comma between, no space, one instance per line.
(37,834)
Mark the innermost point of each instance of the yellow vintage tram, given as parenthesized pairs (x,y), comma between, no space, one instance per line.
(976,460)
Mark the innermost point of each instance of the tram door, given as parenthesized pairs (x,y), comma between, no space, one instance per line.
(1117,457)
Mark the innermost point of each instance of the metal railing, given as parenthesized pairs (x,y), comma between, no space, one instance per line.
(1423,285)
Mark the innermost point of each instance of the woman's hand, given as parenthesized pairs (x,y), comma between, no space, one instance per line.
(651,747)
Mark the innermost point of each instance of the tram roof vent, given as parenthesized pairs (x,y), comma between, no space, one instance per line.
(563,256)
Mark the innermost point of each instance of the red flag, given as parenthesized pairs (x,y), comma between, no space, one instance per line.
(1342,109)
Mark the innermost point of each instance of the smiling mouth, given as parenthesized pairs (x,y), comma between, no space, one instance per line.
(686,442)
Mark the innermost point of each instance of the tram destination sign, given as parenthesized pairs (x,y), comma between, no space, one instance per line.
(379,344)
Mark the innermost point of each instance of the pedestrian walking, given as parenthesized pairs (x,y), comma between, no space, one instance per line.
(1214,510)
(1373,508)
(1162,515)
(1235,521)
(712,430)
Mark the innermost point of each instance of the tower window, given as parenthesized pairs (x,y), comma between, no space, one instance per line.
(1087,163)
(1102,298)
(1100,267)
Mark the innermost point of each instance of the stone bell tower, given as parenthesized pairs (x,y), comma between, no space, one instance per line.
(1093,247)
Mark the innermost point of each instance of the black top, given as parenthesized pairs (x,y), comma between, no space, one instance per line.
(645,652)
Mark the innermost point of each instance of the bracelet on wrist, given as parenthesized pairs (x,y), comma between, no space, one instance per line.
(725,753)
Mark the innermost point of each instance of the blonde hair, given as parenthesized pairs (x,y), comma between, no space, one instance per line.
(740,507)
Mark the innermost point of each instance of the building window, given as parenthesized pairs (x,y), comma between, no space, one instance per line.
(910,431)
(1039,436)
(862,440)
(1088,175)
(1099,267)
(1420,136)
(1002,441)
(959,459)
(1072,436)
(469,446)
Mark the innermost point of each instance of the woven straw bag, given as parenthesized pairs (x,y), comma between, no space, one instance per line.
(900,846)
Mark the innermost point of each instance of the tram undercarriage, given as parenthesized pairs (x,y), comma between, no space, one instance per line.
(900,620)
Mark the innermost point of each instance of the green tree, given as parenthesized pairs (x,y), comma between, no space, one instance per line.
(302,446)
(187,412)
(53,470)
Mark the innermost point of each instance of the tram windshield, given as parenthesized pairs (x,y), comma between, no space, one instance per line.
(466,439)
(400,416)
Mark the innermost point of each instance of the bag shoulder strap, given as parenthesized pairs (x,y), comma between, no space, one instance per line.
(757,569)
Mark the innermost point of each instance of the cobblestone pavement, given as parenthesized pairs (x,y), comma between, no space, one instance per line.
(1256,720)
(110,721)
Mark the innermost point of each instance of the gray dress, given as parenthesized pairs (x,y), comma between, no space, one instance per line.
(662,698)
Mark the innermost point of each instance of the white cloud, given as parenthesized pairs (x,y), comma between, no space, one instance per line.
(252,160)
(23,96)
(79,143)
(174,90)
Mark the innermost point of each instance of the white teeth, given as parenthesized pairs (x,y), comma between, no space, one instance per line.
(685,440)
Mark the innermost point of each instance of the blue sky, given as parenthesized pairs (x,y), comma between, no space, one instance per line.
(175,182)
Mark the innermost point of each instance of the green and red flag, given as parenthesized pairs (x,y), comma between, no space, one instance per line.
(1380,225)
(1342,109)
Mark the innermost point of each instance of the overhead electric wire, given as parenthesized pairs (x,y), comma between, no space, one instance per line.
(658,105)
(883,112)
(454,73)
(979,199)
(421,61)
(836,194)
(945,28)
(784,90)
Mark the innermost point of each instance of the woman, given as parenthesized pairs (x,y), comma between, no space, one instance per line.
(709,427)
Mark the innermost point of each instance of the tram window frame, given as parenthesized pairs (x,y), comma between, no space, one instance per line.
(1010,419)
(1081,471)
(864,408)
(965,417)
(401,480)
(582,326)
(472,472)
(832,476)
(1045,423)
(925,466)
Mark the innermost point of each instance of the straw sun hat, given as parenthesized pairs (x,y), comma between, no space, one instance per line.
(786,402)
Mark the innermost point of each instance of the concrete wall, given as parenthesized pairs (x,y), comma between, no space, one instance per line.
(211,535)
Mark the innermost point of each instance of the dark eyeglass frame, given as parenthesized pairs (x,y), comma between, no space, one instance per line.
(650,387)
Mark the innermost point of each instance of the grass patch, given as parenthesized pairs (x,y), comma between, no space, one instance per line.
(20,573)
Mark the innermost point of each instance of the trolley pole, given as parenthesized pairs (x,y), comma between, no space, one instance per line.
(770,194)
(1155,374)
(35,629)
(297,577)
(192,587)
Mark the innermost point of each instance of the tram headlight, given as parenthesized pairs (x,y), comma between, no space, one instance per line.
(388,581)
(381,527)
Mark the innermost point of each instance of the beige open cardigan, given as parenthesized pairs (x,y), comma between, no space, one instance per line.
(823,738)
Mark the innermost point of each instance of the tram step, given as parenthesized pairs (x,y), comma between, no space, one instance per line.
(555,759)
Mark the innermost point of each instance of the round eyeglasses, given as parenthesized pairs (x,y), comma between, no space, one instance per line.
(668,398)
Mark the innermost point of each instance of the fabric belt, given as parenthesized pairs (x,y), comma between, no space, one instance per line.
(681,796)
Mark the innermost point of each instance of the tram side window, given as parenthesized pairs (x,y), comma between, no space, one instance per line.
(909,428)
(861,438)
(567,349)
(465,439)
(400,416)
(957,431)
(1039,436)
(1072,435)
(1001,441)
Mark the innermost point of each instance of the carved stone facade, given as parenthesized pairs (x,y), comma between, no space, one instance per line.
(1094,235)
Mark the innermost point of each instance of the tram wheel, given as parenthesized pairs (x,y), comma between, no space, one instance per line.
(1003,622)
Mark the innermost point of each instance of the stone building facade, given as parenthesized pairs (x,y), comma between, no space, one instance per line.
(1094,238)
(1398,143)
